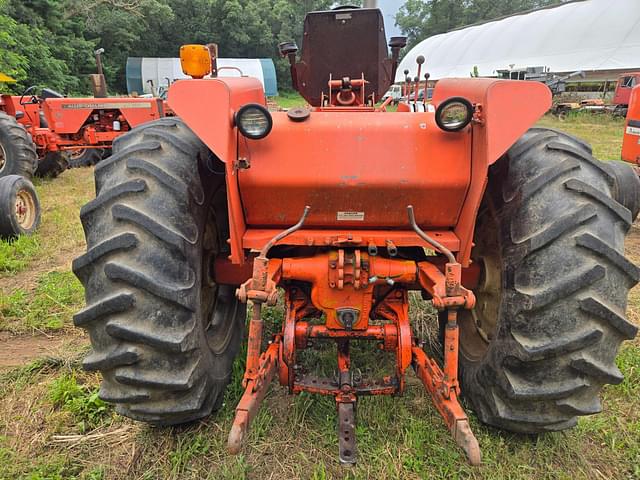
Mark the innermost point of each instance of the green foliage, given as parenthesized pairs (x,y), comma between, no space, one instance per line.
(51,42)
(80,400)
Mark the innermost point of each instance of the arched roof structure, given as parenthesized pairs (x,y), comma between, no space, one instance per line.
(599,37)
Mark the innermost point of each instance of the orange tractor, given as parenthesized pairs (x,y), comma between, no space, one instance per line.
(49,132)
(514,233)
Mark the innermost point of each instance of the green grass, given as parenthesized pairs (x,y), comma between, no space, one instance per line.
(289,99)
(604,132)
(60,233)
(81,401)
(16,254)
(50,306)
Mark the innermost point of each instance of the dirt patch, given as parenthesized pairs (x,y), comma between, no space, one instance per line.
(27,279)
(20,350)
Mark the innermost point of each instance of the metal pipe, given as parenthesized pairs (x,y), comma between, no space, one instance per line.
(434,243)
(281,235)
(370,4)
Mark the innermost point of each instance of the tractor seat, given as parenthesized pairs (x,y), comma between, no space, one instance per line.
(48,93)
(342,43)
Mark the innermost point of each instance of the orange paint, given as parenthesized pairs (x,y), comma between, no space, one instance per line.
(631,140)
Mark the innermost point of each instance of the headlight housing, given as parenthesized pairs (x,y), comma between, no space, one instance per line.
(454,114)
(254,121)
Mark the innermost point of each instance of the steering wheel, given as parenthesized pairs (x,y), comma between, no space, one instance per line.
(33,98)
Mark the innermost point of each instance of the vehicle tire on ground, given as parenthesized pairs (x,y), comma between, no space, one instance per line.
(550,315)
(164,335)
(19,207)
(52,165)
(85,157)
(17,151)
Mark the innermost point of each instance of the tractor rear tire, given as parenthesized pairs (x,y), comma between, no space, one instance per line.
(19,207)
(550,317)
(85,157)
(17,151)
(163,334)
(52,165)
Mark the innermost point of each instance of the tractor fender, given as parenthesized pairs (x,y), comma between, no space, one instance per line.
(505,110)
(208,106)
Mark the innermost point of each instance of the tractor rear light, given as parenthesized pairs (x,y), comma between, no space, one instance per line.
(254,121)
(454,114)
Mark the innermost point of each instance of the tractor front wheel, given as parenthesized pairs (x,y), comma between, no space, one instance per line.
(17,150)
(85,157)
(52,165)
(550,315)
(164,335)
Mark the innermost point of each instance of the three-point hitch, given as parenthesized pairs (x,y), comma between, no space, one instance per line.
(360,296)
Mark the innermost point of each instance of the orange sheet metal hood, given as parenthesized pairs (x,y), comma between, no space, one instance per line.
(356,170)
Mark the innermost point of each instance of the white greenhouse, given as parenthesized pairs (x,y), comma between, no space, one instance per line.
(599,37)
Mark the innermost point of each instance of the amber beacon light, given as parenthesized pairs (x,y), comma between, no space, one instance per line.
(195,60)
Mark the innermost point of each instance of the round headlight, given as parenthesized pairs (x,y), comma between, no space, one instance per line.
(454,114)
(254,121)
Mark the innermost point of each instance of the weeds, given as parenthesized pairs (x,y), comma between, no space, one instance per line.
(81,401)
(18,378)
(16,254)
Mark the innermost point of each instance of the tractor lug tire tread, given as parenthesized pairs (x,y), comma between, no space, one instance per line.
(564,289)
(22,158)
(142,274)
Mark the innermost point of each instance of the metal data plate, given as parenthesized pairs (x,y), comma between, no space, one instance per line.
(633,131)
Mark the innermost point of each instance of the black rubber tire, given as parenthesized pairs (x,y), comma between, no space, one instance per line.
(563,287)
(626,190)
(14,188)
(17,148)
(159,214)
(88,158)
(52,165)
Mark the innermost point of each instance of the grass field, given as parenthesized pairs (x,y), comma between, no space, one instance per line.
(54,426)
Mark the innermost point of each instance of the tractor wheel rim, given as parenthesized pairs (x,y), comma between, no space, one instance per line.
(77,153)
(3,157)
(218,304)
(478,327)
(25,209)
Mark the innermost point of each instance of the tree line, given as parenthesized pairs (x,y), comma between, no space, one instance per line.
(51,42)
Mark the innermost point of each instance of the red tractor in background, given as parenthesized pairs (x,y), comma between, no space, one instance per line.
(62,129)
(60,132)
(514,233)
